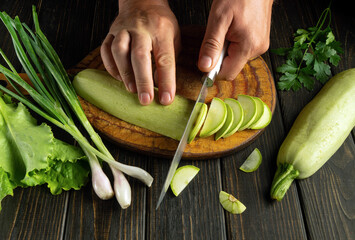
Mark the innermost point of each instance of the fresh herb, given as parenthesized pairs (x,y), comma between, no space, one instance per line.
(31,156)
(55,99)
(313,49)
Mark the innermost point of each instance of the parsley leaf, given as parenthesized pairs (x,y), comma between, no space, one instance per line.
(308,60)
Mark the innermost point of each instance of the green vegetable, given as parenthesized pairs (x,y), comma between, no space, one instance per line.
(227,124)
(182,177)
(30,155)
(55,98)
(252,162)
(313,49)
(238,116)
(250,110)
(230,203)
(319,130)
(110,95)
(215,119)
(265,118)
(199,121)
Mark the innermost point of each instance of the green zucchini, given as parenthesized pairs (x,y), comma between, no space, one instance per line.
(110,95)
(317,133)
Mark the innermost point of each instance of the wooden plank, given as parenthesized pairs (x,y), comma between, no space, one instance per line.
(195,213)
(191,12)
(255,79)
(263,218)
(90,217)
(327,197)
(68,27)
(25,215)
(105,13)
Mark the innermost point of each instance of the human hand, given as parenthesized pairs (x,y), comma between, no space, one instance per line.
(245,24)
(143,28)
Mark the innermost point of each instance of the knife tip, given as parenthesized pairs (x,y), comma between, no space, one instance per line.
(159,201)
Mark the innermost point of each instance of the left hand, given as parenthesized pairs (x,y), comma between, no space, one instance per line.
(245,24)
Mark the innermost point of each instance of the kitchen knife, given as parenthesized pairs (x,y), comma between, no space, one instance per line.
(208,80)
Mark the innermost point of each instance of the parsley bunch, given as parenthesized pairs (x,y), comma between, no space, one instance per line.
(313,49)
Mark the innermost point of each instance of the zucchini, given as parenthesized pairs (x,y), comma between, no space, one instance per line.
(110,95)
(317,133)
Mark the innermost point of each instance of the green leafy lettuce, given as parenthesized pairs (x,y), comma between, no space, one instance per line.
(31,156)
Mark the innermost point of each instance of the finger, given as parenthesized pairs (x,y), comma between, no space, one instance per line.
(121,54)
(164,55)
(235,61)
(141,46)
(213,41)
(107,57)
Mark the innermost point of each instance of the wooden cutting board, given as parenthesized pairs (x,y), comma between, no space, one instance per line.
(255,79)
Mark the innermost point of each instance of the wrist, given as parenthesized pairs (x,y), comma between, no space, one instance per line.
(125,3)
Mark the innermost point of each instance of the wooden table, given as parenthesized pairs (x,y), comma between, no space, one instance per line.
(321,207)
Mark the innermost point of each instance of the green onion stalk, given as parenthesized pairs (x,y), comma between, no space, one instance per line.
(55,100)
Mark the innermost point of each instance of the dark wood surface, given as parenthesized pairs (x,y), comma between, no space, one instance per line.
(320,207)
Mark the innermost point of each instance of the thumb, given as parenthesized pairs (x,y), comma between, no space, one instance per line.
(212,44)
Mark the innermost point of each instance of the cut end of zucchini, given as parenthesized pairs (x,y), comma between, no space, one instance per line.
(252,162)
(230,203)
(250,110)
(264,120)
(199,122)
(227,124)
(238,115)
(215,118)
(182,178)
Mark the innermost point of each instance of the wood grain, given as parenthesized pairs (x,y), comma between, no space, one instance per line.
(196,213)
(31,213)
(327,205)
(255,80)
(320,207)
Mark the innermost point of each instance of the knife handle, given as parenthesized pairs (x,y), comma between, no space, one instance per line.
(211,76)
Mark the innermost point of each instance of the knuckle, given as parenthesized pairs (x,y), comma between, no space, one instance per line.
(143,84)
(110,67)
(163,23)
(264,46)
(126,74)
(212,44)
(230,77)
(105,45)
(141,52)
(260,46)
(164,60)
(119,44)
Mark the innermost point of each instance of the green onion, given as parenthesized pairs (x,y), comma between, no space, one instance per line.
(55,99)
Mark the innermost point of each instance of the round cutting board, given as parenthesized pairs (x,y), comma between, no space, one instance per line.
(255,79)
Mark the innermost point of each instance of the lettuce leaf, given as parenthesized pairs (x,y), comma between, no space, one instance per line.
(31,156)
(6,187)
(65,170)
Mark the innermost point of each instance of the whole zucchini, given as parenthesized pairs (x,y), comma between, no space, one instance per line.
(318,132)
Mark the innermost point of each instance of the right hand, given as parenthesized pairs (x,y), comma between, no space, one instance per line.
(143,28)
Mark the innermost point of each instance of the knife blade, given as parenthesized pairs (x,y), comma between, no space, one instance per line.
(208,80)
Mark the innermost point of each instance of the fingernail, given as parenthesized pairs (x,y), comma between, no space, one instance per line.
(205,62)
(144,98)
(165,98)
